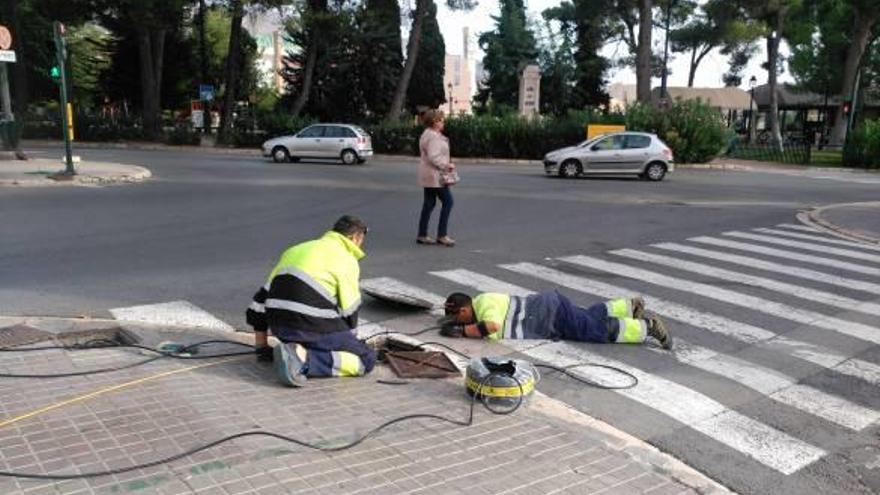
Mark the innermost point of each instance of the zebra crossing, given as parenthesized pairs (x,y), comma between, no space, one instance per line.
(796,282)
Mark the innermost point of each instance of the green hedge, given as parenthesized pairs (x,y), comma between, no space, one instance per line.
(694,130)
(863,147)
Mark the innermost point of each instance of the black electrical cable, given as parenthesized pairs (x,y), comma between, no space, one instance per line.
(109,344)
(357,441)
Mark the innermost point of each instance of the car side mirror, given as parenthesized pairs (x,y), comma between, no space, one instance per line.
(595,147)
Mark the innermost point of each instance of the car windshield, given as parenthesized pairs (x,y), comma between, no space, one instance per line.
(591,140)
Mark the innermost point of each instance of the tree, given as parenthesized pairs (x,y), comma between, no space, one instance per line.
(412,50)
(591,32)
(643,52)
(315,16)
(558,66)
(380,45)
(508,48)
(230,74)
(718,24)
(629,15)
(426,86)
(865,19)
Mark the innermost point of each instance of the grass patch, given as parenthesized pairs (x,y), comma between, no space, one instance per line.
(826,158)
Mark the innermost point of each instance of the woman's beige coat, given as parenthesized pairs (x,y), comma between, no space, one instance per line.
(434,157)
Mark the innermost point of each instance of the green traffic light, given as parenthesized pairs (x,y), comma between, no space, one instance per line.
(55,72)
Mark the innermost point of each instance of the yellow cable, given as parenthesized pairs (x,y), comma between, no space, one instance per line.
(113,388)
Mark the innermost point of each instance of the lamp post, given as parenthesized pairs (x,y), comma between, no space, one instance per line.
(753,81)
(449,86)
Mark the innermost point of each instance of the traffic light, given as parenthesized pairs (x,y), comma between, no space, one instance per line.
(55,72)
(847,106)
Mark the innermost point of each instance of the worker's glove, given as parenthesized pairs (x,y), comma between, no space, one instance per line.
(453,330)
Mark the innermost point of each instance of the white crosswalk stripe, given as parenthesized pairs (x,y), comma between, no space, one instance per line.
(742,332)
(780,310)
(763,443)
(828,298)
(791,270)
(818,238)
(776,385)
(802,228)
(484,283)
(789,255)
(848,253)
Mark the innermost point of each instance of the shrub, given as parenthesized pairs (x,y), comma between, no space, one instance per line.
(863,146)
(694,130)
(183,134)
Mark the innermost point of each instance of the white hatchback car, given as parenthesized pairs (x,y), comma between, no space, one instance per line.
(637,153)
(345,142)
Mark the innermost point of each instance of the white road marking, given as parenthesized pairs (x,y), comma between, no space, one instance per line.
(754,439)
(719,324)
(482,282)
(742,332)
(789,255)
(777,386)
(802,228)
(819,296)
(174,313)
(819,238)
(807,317)
(848,253)
(790,270)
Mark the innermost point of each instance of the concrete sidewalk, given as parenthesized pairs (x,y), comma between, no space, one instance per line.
(140,414)
(857,221)
(42,172)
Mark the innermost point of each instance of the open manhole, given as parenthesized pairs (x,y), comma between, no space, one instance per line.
(98,337)
(17,335)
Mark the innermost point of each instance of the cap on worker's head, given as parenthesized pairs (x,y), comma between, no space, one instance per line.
(456,301)
(349,225)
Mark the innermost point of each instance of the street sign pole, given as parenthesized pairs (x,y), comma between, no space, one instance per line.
(61,56)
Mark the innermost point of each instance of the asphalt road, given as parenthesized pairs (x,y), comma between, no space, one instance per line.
(207,228)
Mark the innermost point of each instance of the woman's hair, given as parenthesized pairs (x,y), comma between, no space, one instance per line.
(431,117)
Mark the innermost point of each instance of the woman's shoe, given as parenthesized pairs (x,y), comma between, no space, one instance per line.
(425,240)
(446,241)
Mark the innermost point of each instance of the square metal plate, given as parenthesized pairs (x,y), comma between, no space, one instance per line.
(421,364)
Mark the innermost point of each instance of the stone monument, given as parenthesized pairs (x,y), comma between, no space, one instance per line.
(530,90)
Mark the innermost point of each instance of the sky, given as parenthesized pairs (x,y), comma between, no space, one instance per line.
(708,74)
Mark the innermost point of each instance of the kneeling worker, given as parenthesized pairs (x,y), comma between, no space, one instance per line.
(551,315)
(310,303)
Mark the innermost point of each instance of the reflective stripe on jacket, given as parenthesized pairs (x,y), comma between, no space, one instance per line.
(313,287)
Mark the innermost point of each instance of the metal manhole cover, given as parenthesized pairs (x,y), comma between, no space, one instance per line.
(421,364)
(97,337)
(22,335)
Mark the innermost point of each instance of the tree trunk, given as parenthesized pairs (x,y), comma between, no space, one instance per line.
(643,55)
(772,60)
(302,98)
(412,51)
(231,72)
(203,65)
(695,63)
(150,46)
(663,92)
(863,25)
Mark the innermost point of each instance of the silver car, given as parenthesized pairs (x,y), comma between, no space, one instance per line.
(345,142)
(638,153)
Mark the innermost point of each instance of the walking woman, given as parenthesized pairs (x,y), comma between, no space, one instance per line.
(436,174)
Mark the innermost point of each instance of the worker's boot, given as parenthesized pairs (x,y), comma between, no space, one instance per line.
(290,363)
(638,305)
(657,329)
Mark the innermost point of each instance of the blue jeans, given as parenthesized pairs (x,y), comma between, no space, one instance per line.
(582,324)
(431,195)
(321,347)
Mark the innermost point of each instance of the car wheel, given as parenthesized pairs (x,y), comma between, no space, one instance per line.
(570,169)
(655,171)
(349,157)
(280,154)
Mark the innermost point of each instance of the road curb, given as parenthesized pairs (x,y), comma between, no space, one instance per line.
(813,218)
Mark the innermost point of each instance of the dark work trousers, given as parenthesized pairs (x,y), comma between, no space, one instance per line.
(582,324)
(431,195)
(321,347)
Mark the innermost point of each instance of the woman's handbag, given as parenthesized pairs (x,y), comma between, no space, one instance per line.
(449,178)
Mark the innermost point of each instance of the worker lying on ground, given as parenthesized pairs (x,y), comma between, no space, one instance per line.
(310,303)
(550,315)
